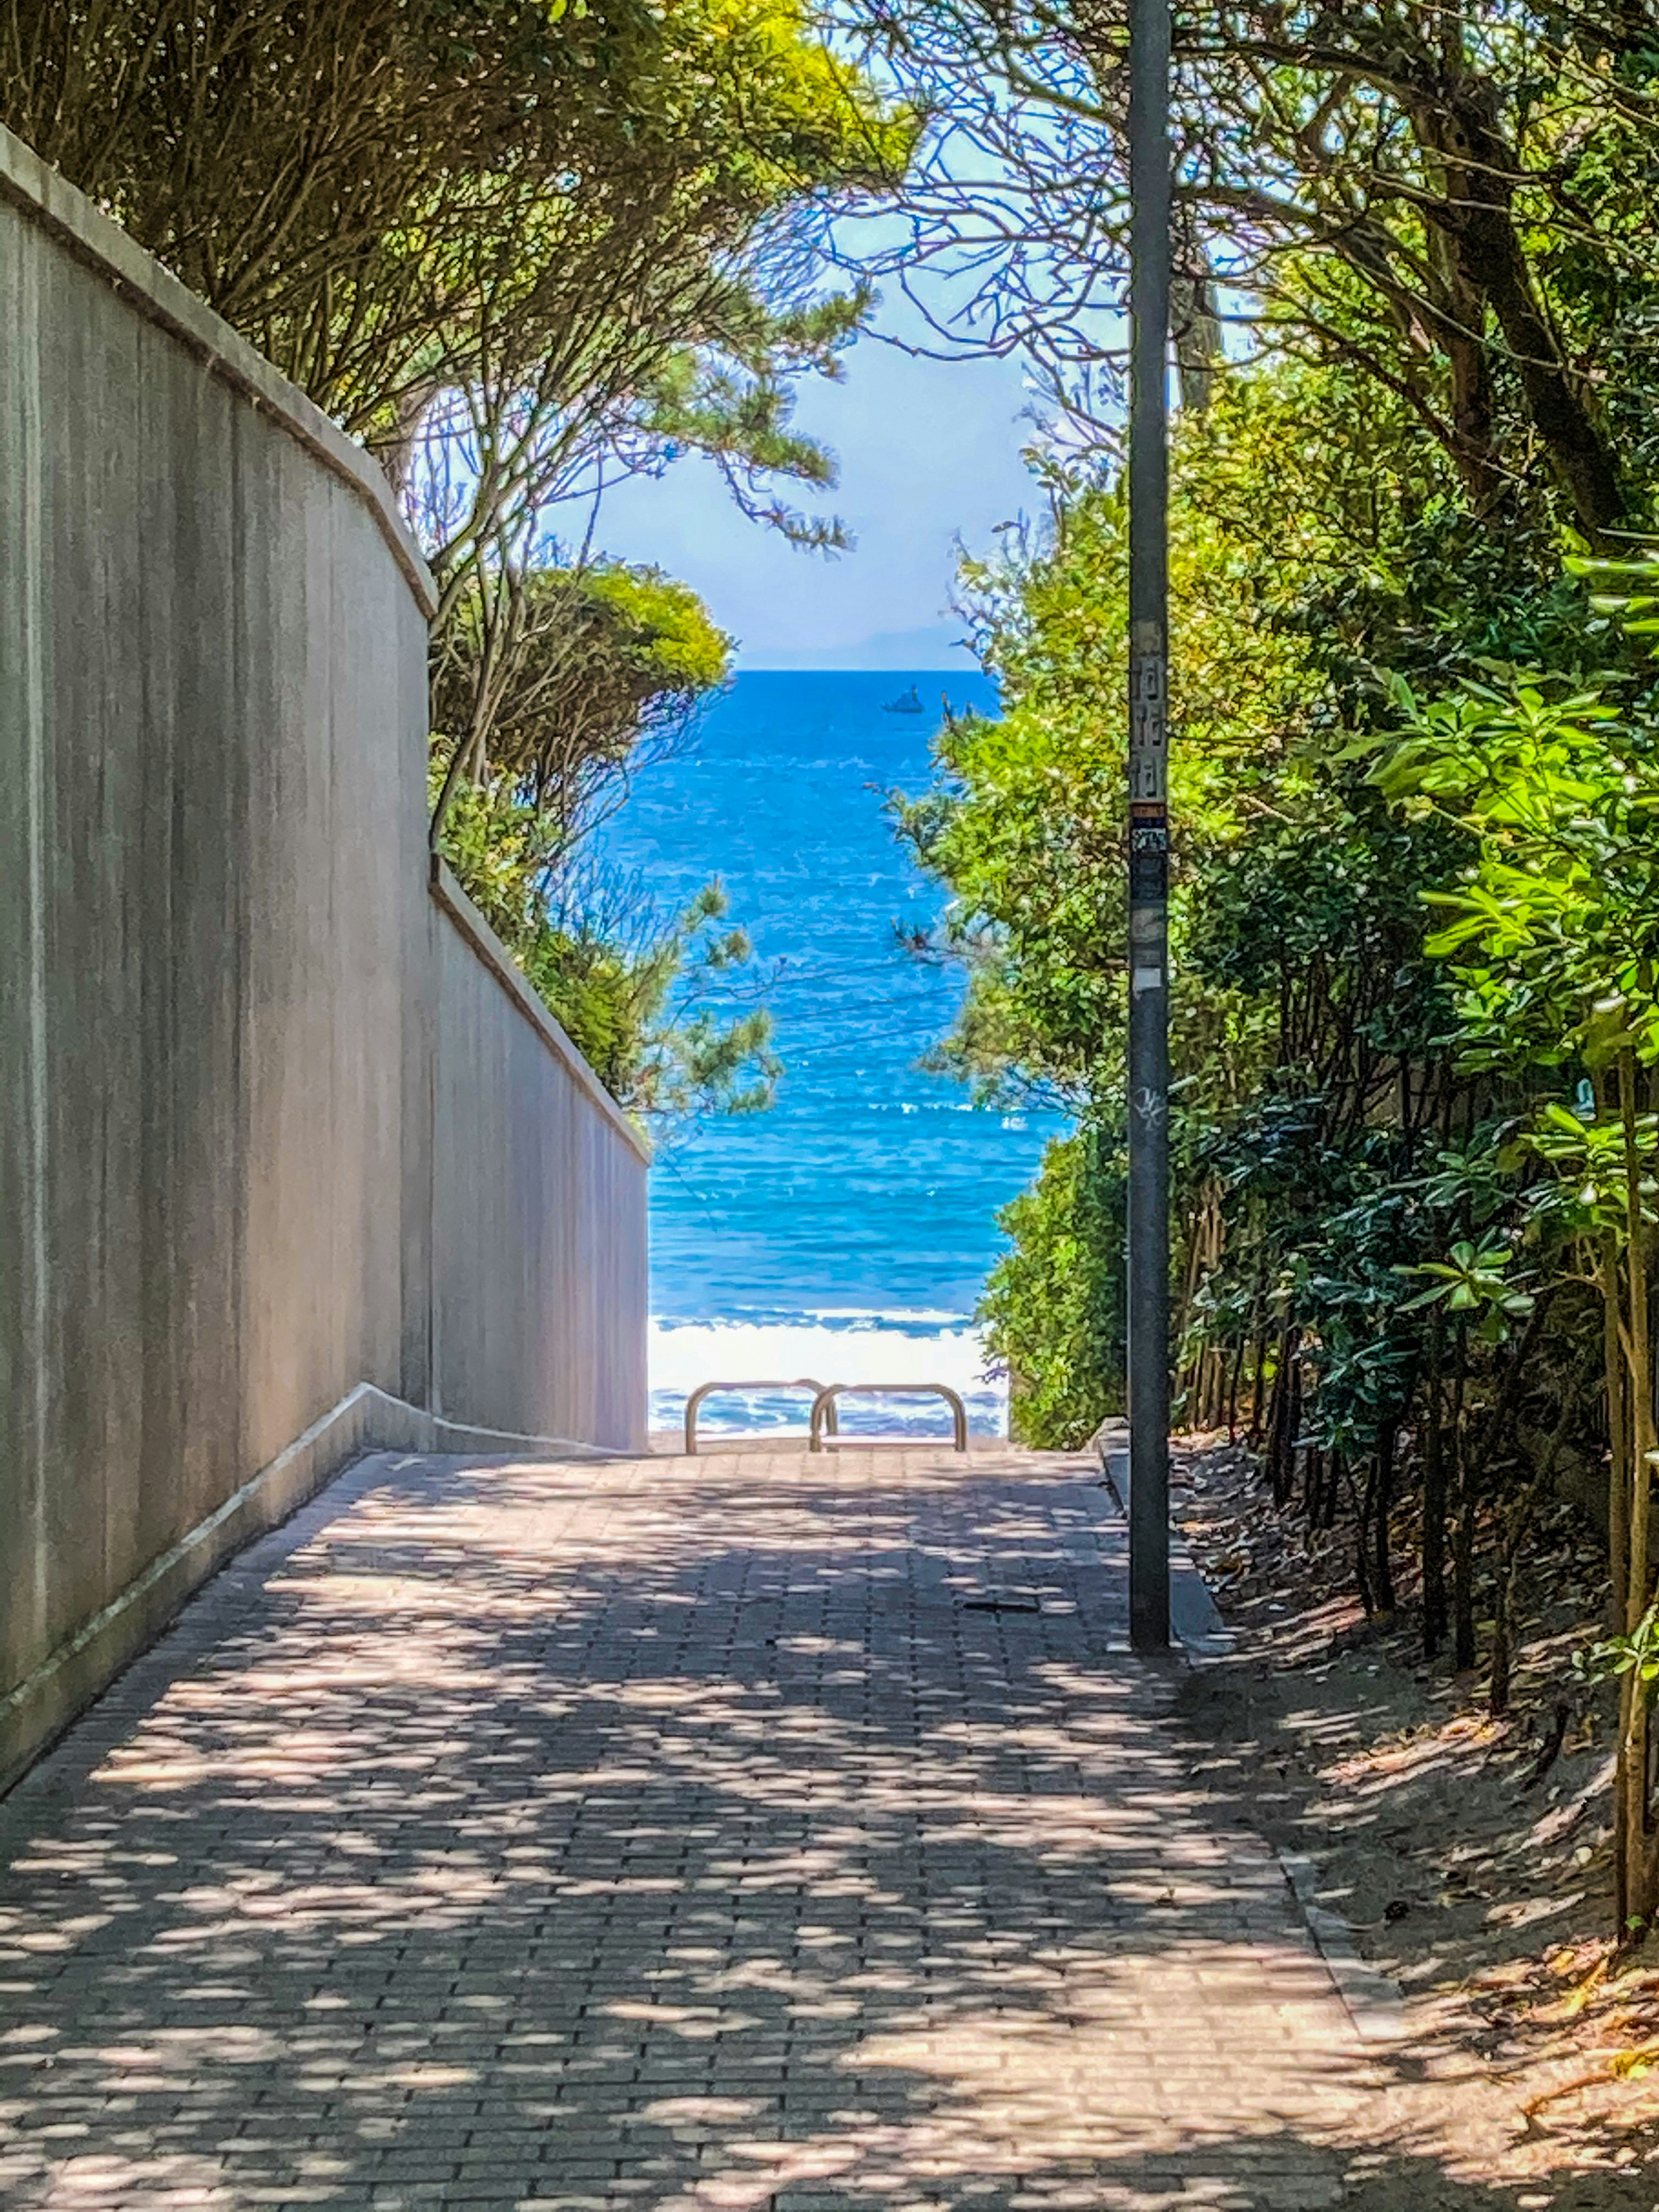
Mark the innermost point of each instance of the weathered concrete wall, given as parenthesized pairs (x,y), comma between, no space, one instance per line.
(538,1210)
(229,1005)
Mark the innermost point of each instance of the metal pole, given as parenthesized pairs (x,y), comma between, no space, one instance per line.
(1149,194)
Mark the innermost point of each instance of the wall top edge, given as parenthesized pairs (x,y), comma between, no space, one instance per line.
(448,895)
(67,215)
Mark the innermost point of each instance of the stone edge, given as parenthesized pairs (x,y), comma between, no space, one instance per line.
(1374,2004)
(37,1710)
(67,215)
(452,901)
(1195,1619)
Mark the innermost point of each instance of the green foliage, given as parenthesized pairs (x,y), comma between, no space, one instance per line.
(1415,911)
(1379,1230)
(1416,928)
(643,1009)
(1053,1307)
(1634,1655)
(607,664)
(1026,802)
(1553,930)
(1296,924)
(1474,1280)
(552,688)
(661,1005)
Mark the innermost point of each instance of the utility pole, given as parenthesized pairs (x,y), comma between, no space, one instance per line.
(1150,197)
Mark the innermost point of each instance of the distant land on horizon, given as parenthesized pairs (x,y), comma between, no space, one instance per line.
(936,647)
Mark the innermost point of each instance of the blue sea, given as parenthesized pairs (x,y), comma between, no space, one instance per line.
(845,1233)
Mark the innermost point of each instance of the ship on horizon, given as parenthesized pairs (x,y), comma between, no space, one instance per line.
(908,702)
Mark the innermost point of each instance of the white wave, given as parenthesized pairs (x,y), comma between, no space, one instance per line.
(685,1354)
(920,1320)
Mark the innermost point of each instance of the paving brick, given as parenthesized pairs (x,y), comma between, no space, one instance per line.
(664,1832)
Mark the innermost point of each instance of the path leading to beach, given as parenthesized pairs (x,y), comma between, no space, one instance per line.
(754,1831)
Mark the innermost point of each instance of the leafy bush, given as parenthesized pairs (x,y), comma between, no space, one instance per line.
(1052,1308)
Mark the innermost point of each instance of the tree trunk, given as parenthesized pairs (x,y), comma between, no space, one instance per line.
(1383,1572)
(1258,1403)
(1462,1493)
(1517,1525)
(1281,1432)
(1464,1651)
(1619,1473)
(1633,1748)
(1434,1503)
(1493,262)
(1361,1568)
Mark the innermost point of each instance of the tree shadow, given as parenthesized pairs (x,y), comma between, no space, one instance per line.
(743,1833)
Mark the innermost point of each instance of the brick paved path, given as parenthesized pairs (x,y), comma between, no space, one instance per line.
(672,1834)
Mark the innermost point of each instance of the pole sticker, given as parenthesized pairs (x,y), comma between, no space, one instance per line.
(1149,730)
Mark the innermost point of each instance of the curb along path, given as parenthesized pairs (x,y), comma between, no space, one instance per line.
(758,1830)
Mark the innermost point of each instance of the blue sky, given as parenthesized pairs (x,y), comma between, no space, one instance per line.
(929,454)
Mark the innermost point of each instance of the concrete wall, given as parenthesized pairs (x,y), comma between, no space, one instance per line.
(538,1210)
(272,1126)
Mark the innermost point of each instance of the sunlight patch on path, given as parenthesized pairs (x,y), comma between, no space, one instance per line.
(669,1833)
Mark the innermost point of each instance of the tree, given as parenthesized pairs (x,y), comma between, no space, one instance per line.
(608,667)
(393,198)
(1553,937)
(1457,205)
(550,689)
(1416,929)
(662,1005)
(517,247)
(1053,1311)
(514,246)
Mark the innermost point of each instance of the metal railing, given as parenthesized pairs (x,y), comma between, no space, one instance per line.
(694,1403)
(823,1406)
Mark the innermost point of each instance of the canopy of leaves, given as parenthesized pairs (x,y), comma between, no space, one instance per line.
(598,669)
(516,246)
(391,197)
(1321,547)
(1461,203)
(664,1006)
(651,1006)
(1053,1312)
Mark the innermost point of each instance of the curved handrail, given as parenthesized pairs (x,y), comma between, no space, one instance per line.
(823,1406)
(707,1389)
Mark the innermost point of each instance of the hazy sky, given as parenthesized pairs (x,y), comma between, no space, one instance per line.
(929,454)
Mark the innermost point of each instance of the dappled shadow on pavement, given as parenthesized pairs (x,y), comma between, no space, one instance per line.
(740,1833)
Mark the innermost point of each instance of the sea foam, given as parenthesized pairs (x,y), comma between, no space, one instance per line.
(834,1346)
